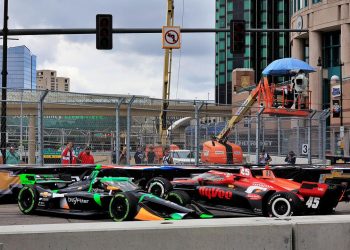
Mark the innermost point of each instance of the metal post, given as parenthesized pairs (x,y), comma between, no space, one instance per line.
(4,82)
(309,137)
(197,109)
(41,128)
(278,136)
(249,128)
(128,129)
(325,117)
(31,139)
(298,138)
(117,130)
(257,134)
(21,148)
(236,135)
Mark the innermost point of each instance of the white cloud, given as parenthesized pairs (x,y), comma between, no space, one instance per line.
(135,65)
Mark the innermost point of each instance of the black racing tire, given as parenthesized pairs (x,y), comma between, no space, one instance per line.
(123,207)
(179,197)
(28,199)
(282,204)
(159,186)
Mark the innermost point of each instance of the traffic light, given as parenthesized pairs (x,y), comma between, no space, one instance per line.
(237,36)
(104,31)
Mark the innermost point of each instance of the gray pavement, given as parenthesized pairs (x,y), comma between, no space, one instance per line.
(10,215)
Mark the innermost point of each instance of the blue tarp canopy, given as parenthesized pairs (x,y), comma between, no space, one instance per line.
(286,67)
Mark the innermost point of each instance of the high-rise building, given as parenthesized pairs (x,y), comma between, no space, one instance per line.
(48,79)
(261,48)
(225,61)
(21,68)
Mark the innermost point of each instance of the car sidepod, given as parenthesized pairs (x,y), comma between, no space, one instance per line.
(152,207)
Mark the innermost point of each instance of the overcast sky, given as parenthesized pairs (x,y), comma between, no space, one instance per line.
(135,65)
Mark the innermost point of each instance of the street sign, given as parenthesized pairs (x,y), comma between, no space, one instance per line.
(171,37)
(305,149)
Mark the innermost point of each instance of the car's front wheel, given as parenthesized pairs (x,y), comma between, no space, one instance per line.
(179,197)
(123,206)
(28,199)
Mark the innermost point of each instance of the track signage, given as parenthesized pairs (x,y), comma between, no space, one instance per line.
(305,149)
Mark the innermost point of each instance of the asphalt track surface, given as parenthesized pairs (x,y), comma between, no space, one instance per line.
(10,215)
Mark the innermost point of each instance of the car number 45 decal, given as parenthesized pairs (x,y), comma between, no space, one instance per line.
(313,202)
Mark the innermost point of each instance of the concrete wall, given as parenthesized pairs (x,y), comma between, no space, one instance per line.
(308,232)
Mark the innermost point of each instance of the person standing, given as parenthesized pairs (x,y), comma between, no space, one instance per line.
(67,156)
(151,156)
(138,156)
(12,157)
(264,157)
(122,157)
(291,158)
(167,159)
(85,157)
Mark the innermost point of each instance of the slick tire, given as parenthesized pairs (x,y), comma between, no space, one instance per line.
(179,197)
(28,199)
(159,186)
(282,204)
(122,207)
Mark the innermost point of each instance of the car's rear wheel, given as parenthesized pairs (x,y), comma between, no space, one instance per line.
(179,197)
(159,186)
(123,206)
(28,199)
(282,204)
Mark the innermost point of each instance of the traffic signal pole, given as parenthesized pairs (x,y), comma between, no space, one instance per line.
(4,83)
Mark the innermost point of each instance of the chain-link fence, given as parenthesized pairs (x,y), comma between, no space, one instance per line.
(40,123)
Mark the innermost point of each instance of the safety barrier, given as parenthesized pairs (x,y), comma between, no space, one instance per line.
(308,232)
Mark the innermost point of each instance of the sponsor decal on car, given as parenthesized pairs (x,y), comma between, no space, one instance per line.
(212,193)
(254,197)
(76,200)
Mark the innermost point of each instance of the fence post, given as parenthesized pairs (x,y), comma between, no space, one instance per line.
(128,130)
(31,140)
(117,129)
(197,109)
(249,128)
(320,134)
(324,122)
(309,137)
(257,134)
(40,128)
(298,138)
(278,136)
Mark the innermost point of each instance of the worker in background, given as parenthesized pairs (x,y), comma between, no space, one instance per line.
(85,157)
(151,156)
(167,159)
(139,155)
(264,158)
(67,156)
(122,157)
(291,158)
(12,157)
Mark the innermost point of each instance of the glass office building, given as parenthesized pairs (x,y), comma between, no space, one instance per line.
(21,68)
(261,48)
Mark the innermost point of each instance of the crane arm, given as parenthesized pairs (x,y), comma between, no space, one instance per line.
(166,78)
(238,116)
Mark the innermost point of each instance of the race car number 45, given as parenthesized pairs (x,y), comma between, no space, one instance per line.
(313,202)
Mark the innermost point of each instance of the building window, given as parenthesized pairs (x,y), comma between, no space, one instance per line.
(331,49)
(316,1)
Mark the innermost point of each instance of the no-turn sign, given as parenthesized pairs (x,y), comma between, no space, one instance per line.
(171,37)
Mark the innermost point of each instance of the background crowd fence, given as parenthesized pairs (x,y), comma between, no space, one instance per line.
(40,123)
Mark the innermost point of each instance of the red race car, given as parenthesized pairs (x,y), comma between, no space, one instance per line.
(224,194)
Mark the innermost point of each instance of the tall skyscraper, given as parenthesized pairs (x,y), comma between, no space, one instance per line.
(21,68)
(261,48)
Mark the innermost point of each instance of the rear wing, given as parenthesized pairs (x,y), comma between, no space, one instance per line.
(30,179)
